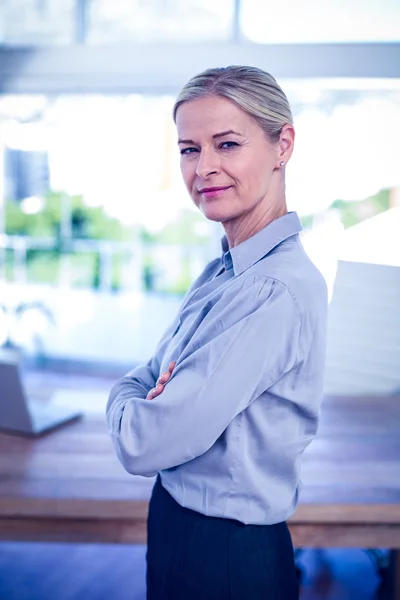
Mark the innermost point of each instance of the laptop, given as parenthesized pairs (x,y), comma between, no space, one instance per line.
(23,415)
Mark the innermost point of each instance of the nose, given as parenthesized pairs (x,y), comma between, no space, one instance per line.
(207,164)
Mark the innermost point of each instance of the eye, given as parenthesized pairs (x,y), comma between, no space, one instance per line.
(227,145)
(188,151)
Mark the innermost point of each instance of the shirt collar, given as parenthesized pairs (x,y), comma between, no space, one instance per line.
(250,251)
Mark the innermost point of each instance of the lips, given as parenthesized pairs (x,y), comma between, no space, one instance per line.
(214,189)
(210,193)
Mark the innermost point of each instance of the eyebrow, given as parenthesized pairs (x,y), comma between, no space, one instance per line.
(215,136)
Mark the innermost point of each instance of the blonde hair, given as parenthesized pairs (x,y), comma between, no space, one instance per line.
(255,91)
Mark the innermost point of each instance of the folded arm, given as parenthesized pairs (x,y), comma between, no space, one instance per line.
(232,358)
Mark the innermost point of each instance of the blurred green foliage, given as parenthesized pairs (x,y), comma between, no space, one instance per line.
(354,212)
(86,221)
(43,266)
(187,229)
(307,221)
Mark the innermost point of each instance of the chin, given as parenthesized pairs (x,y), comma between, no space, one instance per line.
(219,214)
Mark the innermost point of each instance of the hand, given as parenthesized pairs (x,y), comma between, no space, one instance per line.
(160,385)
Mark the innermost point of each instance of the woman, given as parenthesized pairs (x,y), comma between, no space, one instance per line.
(230,400)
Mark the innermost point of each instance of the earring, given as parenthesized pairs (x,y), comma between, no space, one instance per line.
(281,163)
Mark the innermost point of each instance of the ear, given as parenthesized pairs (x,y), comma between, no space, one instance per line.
(286,143)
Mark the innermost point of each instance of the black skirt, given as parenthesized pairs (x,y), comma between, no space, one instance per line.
(194,557)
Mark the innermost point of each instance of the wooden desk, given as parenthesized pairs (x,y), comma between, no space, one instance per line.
(69,486)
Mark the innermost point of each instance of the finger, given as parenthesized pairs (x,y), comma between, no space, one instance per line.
(155,392)
(171,366)
(164,377)
(158,390)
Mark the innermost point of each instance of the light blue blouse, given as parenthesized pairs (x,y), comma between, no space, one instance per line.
(242,404)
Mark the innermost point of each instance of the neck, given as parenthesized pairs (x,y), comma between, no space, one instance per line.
(242,228)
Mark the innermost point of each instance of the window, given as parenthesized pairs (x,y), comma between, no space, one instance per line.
(37,22)
(159,20)
(309,21)
(99,225)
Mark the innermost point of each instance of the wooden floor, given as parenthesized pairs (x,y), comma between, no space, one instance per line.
(32,571)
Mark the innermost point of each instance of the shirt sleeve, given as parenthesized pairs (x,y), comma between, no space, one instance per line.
(140,380)
(235,354)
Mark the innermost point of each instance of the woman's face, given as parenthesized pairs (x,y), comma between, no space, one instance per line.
(227,162)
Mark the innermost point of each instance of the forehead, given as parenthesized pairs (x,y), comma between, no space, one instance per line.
(211,115)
